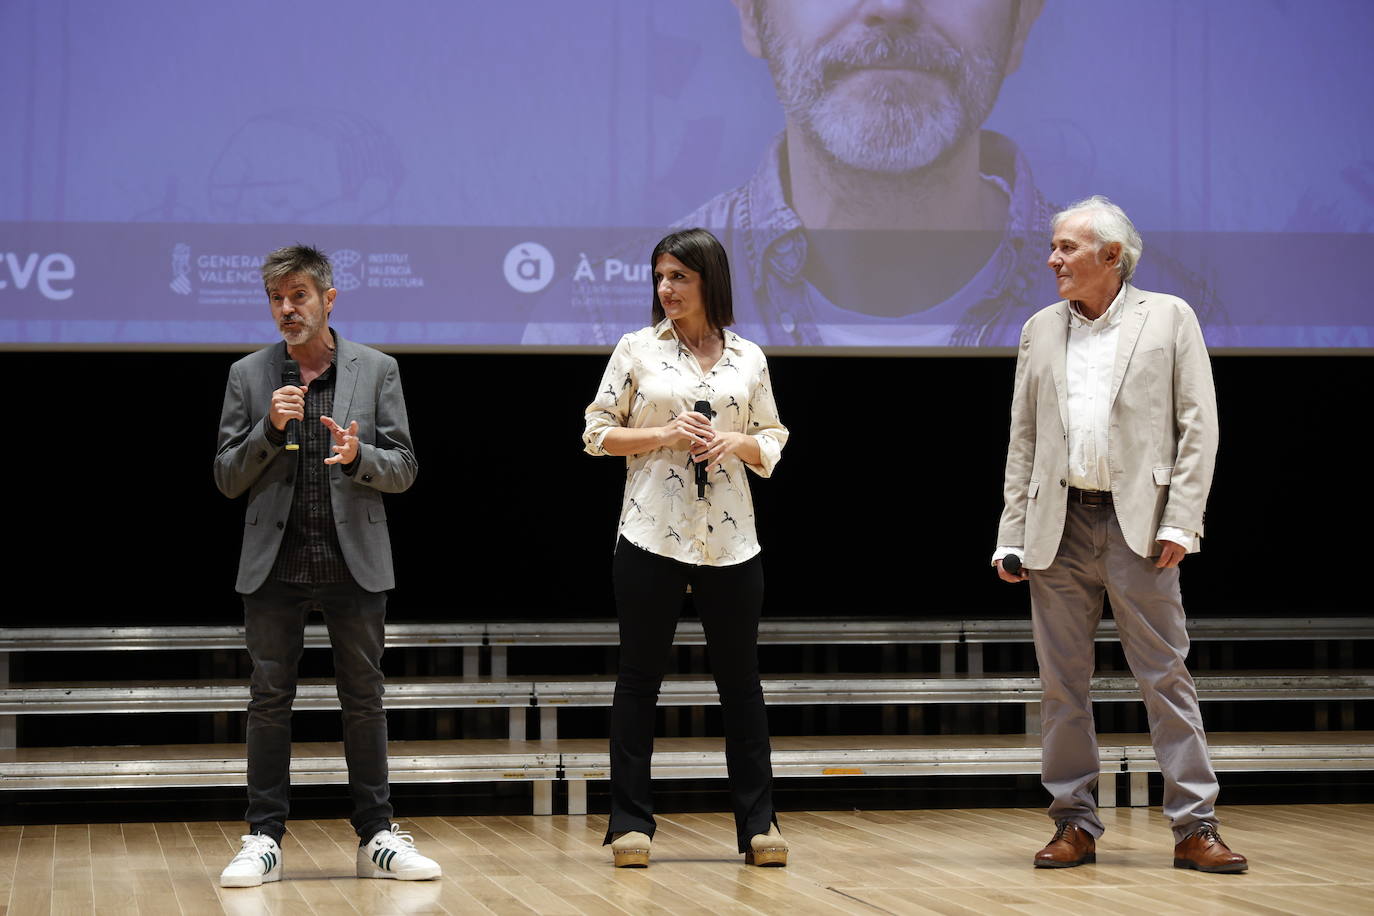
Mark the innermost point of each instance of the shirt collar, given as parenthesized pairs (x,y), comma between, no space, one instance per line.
(775,233)
(1003,163)
(776,238)
(1110,318)
(666,330)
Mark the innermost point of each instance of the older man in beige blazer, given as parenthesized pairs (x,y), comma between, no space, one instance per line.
(1113,441)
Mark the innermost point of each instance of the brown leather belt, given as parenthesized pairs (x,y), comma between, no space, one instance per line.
(1090,497)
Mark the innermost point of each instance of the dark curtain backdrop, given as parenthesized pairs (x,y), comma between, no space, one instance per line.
(886,501)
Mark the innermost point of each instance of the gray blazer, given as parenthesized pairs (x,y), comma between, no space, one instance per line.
(1162,438)
(367,388)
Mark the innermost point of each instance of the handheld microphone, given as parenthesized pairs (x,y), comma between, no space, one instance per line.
(703,408)
(1012,564)
(291,375)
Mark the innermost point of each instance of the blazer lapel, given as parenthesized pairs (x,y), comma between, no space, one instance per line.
(345,379)
(276,359)
(1131,325)
(1058,350)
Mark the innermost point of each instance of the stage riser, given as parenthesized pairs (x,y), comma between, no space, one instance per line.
(843,759)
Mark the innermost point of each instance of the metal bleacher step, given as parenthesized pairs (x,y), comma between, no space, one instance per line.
(544,762)
(232,695)
(885,688)
(548,695)
(688,690)
(190,765)
(497,638)
(603,632)
(575,761)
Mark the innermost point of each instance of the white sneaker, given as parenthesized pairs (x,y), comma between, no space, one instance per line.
(391,854)
(259,860)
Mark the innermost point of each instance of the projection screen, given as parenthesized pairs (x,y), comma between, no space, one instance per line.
(492,176)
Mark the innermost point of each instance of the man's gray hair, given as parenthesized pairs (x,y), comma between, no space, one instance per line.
(298,259)
(1110,224)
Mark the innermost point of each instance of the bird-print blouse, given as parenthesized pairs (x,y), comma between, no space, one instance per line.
(651,378)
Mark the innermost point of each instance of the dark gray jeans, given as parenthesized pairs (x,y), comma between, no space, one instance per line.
(274,624)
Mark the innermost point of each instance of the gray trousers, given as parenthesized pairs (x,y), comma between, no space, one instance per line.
(1066,605)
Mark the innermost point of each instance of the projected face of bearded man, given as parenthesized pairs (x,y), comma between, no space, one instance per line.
(888,86)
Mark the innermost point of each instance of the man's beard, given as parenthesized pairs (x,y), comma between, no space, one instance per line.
(300,331)
(893,127)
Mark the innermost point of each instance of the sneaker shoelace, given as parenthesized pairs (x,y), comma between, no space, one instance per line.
(401,842)
(255,846)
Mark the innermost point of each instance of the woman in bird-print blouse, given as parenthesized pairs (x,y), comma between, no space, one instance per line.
(689,404)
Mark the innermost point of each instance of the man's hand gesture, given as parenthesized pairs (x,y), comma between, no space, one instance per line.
(345,447)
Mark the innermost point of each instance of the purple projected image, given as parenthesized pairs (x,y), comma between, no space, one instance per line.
(493,176)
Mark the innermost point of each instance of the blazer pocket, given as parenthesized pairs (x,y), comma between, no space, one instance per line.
(1162,476)
(376,512)
(1033,489)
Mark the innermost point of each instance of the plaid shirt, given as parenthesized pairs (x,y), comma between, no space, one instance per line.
(310,551)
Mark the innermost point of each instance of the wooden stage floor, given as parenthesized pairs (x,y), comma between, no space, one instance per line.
(1303,859)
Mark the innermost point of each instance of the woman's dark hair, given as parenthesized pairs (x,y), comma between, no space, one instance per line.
(703,252)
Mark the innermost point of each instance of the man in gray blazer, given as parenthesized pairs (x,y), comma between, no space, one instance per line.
(1113,441)
(315,453)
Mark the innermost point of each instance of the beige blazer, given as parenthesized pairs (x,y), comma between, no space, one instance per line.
(1162,440)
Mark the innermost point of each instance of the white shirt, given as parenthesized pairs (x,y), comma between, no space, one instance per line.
(651,378)
(1089,360)
(1088,363)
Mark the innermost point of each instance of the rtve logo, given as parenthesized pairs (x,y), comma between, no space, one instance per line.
(20,270)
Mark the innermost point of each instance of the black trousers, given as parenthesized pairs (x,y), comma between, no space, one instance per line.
(649,592)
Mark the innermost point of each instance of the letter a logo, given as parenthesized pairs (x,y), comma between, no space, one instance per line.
(529,267)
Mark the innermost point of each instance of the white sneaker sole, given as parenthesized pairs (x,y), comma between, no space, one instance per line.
(420,874)
(249,880)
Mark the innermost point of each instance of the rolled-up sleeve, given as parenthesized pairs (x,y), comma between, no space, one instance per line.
(764,424)
(610,408)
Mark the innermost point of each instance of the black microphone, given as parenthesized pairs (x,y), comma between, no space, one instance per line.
(291,375)
(703,408)
(1012,564)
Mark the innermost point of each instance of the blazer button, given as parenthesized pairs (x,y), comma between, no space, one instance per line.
(280,525)
(1062,482)
(367,478)
(262,455)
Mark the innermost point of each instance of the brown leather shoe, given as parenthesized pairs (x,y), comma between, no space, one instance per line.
(1203,849)
(1071,845)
